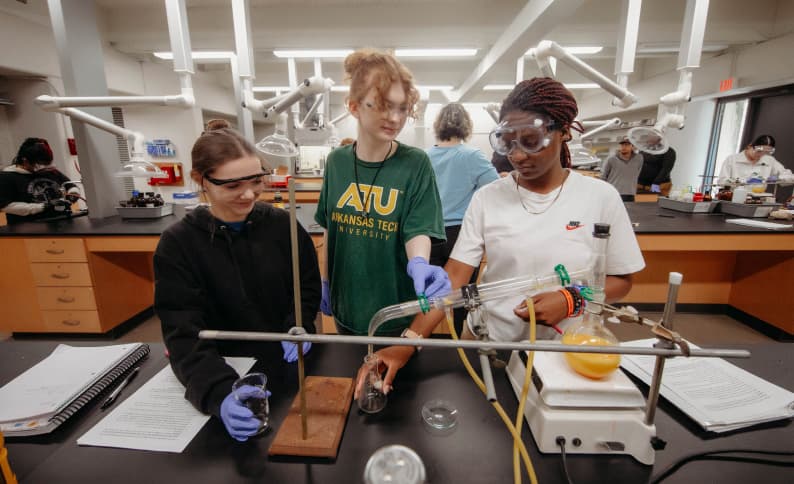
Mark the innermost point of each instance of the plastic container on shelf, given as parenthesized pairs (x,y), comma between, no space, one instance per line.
(184,201)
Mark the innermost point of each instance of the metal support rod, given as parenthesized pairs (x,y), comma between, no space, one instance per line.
(653,391)
(487,378)
(296,294)
(466,344)
(674,280)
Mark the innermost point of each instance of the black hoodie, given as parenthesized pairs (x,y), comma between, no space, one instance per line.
(208,276)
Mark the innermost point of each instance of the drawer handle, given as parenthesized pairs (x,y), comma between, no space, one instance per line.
(71,322)
(60,275)
(54,251)
(66,299)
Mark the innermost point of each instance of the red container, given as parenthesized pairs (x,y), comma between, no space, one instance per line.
(697,197)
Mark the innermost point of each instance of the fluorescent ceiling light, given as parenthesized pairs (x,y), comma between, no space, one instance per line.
(498,87)
(569,85)
(207,55)
(433,87)
(674,49)
(313,53)
(341,88)
(580,50)
(435,52)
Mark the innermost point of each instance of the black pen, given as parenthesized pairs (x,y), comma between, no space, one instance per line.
(113,396)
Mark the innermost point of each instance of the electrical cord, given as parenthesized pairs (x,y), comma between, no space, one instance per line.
(717,455)
(561,442)
(497,406)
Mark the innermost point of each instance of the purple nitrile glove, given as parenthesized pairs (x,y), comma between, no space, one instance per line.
(656,188)
(236,417)
(325,302)
(755,179)
(772,179)
(291,350)
(423,273)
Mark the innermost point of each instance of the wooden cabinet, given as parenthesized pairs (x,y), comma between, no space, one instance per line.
(73,285)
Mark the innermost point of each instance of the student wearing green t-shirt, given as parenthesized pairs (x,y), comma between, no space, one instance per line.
(379,204)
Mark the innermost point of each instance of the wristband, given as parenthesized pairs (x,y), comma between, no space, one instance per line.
(411,334)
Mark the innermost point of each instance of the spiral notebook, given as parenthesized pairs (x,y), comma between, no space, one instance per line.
(50,392)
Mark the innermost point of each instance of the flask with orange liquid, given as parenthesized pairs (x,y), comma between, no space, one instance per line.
(591,330)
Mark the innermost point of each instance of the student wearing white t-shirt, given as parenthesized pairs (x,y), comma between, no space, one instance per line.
(539,216)
(755,162)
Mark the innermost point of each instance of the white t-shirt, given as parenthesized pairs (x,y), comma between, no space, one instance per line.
(738,166)
(520,244)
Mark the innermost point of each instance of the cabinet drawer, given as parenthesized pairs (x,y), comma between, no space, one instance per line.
(66,298)
(56,250)
(72,321)
(65,274)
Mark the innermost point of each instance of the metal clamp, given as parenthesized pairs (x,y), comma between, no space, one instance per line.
(471,296)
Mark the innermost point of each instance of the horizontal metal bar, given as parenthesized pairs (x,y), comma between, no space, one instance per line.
(468,344)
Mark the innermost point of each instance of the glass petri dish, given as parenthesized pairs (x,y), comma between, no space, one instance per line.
(394,464)
(439,415)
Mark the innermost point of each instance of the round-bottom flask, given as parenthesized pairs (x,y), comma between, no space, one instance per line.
(591,332)
(372,399)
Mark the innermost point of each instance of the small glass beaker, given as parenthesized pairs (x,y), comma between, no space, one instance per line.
(394,464)
(372,399)
(251,391)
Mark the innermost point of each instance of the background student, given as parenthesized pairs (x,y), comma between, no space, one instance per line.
(755,163)
(228,267)
(622,169)
(379,203)
(31,188)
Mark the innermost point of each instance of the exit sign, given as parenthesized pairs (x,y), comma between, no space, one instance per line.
(727,84)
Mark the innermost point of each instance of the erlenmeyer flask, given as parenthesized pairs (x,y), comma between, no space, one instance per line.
(372,399)
(591,332)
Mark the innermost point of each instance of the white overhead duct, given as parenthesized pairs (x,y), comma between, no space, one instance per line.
(548,49)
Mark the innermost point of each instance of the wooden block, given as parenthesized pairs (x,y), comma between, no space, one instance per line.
(328,401)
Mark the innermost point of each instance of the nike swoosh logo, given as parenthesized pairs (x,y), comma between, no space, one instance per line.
(573,227)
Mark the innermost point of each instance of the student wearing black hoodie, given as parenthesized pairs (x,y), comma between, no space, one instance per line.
(228,267)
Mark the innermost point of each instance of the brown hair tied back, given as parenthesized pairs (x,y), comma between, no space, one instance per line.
(544,95)
(216,147)
(370,68)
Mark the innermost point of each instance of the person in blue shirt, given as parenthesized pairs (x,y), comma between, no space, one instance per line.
(460,171)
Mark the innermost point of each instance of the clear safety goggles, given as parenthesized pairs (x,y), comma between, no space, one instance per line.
(528,137)
(255,182)
(767,150)
(388,110)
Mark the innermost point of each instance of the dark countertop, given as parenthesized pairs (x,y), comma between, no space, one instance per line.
(479,449)
(647,215)
(653,219)
(83,226)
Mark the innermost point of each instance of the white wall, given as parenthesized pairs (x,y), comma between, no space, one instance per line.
(7,148)
(692,143)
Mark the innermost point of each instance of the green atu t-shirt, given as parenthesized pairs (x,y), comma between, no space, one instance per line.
(366,254)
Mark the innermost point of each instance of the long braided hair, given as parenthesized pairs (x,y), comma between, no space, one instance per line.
(544,95)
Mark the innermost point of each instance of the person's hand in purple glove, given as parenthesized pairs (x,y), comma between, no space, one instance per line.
(291,350)
(423,274)
(236,417)
(656,188)
(325,302)
(772,179)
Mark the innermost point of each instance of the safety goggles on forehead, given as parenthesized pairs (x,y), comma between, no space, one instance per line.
(767,150)
(529,137)
(228,181)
